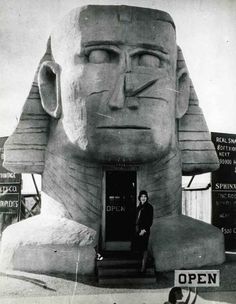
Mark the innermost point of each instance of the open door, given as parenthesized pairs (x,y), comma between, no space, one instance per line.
(120,205)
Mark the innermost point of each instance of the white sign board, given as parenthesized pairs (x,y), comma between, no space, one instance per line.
(197,278)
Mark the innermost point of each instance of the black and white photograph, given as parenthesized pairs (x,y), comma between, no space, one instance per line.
(118,151)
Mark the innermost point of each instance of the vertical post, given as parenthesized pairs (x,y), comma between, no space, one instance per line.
(36,188)
(19,209)
(190,182)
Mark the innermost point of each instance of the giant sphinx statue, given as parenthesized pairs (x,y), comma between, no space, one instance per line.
(112,91)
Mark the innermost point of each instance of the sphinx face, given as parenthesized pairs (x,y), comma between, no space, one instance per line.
(118,85)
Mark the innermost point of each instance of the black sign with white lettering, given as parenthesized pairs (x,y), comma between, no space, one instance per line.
(10,186)
(224,188)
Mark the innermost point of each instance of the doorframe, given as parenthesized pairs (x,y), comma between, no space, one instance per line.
(103,230)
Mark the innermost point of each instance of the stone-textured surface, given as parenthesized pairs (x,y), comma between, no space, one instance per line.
(158,178)
(112,89)
(179,242)
(54,259)
(54,244)
(77,186)
(24,152)
(198,151)
(31,135)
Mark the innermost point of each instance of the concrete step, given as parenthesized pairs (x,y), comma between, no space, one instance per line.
(123,272)
(116,258)
(118,262)
(123,269)
(121,254)
(127,281)
(230,256)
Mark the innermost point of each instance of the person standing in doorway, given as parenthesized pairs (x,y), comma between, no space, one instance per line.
(144,219)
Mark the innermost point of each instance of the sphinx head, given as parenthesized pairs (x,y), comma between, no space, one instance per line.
(114,88)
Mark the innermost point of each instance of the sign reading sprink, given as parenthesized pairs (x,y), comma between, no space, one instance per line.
(10,187)
(224,188)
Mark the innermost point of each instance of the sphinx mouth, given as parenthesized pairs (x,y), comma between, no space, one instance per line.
(124,127)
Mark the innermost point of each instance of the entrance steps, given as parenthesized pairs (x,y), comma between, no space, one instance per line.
(123,269)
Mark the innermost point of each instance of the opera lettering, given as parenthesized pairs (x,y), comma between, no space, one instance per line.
(224,188)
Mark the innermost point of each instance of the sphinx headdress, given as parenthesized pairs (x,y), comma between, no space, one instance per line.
(25,148)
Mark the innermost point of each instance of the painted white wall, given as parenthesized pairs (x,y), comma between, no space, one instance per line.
(28,184)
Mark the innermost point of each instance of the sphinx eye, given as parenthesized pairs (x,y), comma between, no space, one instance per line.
(149,60)
(99,56)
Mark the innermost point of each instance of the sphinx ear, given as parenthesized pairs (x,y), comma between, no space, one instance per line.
(183,92)
(49,88)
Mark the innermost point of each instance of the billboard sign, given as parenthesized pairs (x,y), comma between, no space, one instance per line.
(224,188)
(10,187)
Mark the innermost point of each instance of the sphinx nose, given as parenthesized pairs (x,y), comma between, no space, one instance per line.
(117,99)
(128,86)
(120,98)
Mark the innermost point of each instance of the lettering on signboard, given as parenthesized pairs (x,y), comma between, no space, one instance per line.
(9,204)
(8,189)
(226,140)
(115,209)
(197,278)
(224,187)
(7,175)
(228,230)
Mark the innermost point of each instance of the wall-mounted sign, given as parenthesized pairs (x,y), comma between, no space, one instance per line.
(10,187)
(224,188)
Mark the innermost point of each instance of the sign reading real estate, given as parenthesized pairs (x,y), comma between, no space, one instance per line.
(10,187)
(224,188)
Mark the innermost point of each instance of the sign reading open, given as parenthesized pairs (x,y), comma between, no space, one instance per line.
(197,278)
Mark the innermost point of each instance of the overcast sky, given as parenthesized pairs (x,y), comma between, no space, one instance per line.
(206,32)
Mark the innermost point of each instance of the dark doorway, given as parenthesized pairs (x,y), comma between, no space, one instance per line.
(120,207)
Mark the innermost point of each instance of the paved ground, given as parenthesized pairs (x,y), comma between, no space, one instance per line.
(29,288)
(115,298)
